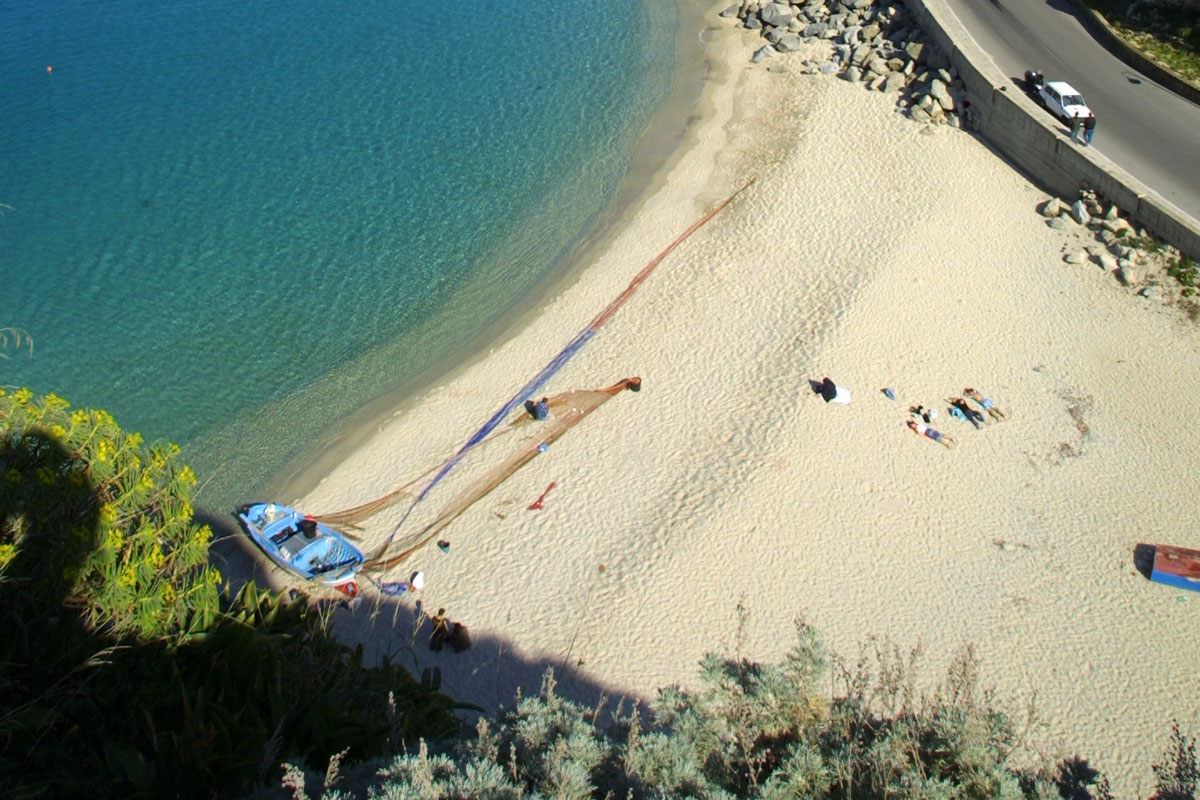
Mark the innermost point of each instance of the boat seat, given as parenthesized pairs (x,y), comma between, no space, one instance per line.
(292,544)
(297,538)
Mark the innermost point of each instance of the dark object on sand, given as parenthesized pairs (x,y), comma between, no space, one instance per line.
(539,410)
(830,392)
(450,633)
(1173,566)
(459,638)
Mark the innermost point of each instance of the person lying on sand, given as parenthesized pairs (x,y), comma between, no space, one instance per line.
(929,433)
(986,404)
(969,414)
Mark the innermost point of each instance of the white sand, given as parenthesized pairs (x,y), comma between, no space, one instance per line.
(881,253)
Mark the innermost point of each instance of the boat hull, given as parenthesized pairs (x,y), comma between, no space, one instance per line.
(1169,565)
(301,546)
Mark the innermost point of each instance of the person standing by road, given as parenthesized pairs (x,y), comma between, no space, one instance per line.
(1089,129)
(1077,128)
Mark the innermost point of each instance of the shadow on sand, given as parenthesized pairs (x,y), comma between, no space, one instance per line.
(489,674)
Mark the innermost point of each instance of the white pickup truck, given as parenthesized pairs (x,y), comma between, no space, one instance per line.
(1062,100)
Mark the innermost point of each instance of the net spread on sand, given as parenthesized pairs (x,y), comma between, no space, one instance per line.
(566,410)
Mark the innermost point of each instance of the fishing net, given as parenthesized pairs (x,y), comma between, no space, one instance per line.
(355,516)
(566,410)
(576,404)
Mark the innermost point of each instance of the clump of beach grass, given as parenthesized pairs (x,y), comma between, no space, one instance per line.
(1183,270)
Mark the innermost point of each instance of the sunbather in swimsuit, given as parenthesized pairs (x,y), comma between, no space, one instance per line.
(986,403)
(929,433)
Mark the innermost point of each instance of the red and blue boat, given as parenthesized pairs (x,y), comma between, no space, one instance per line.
(1173,566)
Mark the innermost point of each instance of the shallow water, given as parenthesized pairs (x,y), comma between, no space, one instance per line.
(232,224)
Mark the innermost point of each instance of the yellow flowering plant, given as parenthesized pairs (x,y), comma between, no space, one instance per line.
(135,564)
(124,672)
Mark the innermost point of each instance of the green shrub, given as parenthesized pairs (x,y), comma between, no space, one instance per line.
(749,731)
(266,681)
(109,517)
(1184,271)
(1166,33)
(123,673)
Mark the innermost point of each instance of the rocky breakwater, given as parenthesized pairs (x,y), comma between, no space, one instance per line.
(878,44)
(1104,237)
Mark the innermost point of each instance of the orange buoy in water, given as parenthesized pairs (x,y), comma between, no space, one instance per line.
(48,69)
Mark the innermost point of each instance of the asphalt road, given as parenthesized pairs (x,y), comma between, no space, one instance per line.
(1150,132)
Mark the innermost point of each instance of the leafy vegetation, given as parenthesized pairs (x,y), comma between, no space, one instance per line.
(108,518)
(1166,34)
(1180,267)
(1184,271)
(124,672)
(219,710)
(749,731)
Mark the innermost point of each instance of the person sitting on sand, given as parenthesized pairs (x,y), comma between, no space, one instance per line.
(986,404)
(924,413)
(928,432)
(441,630)
(971,415)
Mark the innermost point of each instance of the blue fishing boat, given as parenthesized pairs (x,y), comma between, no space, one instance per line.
(301,545)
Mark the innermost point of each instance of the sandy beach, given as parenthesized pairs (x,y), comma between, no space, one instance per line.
(881,253)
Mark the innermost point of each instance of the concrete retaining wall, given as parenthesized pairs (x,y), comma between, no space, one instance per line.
(1031,139)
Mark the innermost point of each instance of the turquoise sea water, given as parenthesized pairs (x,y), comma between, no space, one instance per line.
(232,224)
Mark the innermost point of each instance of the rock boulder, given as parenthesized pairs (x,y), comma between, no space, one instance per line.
(777,14)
